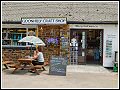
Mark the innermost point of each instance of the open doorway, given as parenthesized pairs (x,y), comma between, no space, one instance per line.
(90,45)
(94,46)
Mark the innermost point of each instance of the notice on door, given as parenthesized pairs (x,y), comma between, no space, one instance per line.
(58,66)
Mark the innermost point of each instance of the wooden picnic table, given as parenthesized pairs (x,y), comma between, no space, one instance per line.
(25,61)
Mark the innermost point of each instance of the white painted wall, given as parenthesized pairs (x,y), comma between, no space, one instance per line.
(110,33)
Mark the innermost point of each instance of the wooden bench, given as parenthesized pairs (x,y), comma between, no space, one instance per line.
(13,65)
(16,65)
(5,63)
(39,67)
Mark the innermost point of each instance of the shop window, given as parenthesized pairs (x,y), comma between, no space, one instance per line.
(31,32)
(11,36)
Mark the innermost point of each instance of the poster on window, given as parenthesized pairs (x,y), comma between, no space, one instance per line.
(108,48)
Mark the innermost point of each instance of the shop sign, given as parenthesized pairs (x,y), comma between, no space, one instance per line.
(43,20)
(89,26)
(84,26)
(58,66)
(108,48)
(109,43)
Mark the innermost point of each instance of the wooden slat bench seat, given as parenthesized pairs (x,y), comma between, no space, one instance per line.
(5,63)
(13,65)
(39,67)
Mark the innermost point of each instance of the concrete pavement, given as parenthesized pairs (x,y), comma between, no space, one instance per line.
(79,76)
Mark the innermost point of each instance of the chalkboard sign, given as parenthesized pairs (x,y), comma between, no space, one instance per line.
(58,66)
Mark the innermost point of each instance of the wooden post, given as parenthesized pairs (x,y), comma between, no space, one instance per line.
(37,35)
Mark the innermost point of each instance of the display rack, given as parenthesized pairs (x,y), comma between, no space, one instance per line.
(73,55)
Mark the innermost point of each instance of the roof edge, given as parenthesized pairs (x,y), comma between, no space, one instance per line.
(70,22)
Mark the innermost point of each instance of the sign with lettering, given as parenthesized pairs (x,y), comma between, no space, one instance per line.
(43,20)
(58,66)
(108,48)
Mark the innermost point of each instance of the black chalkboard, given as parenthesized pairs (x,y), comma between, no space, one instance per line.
(58,66)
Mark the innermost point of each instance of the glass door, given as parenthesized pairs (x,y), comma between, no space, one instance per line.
(82,47)
(78,50)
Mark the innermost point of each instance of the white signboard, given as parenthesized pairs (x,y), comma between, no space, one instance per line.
(110,42)
(83,40)
(43,20)
(108,49)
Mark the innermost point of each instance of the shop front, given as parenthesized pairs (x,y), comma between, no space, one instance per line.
(53,31)
(89,45)
(95,44)
(83,43)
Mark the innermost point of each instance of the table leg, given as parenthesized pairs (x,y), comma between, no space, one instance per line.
(25,64)
(16,67)
(43,68)
(36,71)
(14,70)
(6,66)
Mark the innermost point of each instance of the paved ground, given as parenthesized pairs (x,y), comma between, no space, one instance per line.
(79,76)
